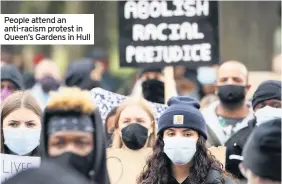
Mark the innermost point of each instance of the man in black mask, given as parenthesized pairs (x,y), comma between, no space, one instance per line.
(48,78)
(151,83)
(72,134)
(225,117)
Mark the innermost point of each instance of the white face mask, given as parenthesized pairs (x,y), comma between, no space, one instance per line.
(267,113)
(180,150)
(21,140)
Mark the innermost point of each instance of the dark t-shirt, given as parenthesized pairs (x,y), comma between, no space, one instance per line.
(172,180)
(228,124)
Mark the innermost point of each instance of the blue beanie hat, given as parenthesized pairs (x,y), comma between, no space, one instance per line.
(182,112)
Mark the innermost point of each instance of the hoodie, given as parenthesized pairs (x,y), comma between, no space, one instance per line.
(99,164)
(78,74)
(11,73)
(47,173)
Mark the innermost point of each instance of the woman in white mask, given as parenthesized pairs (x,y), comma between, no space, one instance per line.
(21,125)
(180,155)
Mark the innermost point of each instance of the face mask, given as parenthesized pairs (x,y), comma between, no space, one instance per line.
(206,75)
(267,113)
(134,136)
(49,84)
(5,92)
(83,164)
(230,95)
(180,150)
(153,90)
(21,140)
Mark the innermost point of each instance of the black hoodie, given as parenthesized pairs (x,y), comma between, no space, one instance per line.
(78,74)
(11,73)
(99,165)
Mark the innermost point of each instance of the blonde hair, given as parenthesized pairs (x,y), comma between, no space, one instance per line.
(17,100)
(71,98)
(117,142)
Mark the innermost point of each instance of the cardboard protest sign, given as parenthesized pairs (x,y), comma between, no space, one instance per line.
(125,166)
(161,33)
(12,164)
(106,101)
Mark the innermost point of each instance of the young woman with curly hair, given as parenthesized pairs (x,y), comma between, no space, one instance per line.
(179,154)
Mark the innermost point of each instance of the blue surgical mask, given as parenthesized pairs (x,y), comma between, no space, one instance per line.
(180,150)
(21,140)
(266,114)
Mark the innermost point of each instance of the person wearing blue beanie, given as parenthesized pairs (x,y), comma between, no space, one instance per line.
(180,155)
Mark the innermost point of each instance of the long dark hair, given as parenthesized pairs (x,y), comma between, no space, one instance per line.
(158,166)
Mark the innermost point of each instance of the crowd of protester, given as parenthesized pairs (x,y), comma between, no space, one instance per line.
(53,116)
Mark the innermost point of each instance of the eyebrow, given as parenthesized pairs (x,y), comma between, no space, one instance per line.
(13,121)
(16,121)
(187,130)
(182,130)
(30,121)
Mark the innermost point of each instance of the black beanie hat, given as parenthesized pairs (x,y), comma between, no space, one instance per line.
(262,152)
(270,89)
(182,112)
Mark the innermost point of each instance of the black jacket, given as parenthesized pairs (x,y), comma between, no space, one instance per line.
(214,177)
(99,163)
(48,173)
(11,73)
(234,147)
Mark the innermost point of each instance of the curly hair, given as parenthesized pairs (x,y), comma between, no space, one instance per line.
(158,166)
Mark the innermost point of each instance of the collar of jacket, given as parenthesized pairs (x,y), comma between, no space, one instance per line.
(214,177)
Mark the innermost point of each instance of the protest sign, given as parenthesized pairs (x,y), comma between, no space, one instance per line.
(165,33)
(12,164)
(124,166)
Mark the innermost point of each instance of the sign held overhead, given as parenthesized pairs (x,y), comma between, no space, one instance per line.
(163,33)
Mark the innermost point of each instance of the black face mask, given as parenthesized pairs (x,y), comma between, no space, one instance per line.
(49,84)
(231,95)
(82,164)
(134,136)
(153,90)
